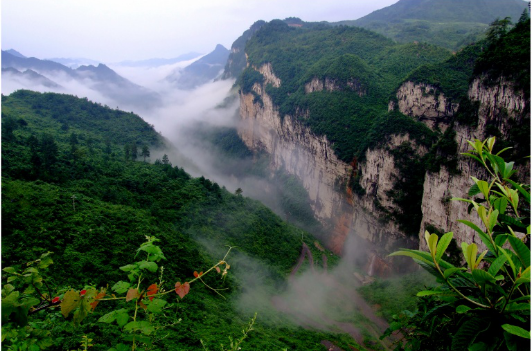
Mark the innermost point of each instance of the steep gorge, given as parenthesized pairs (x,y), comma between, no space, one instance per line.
(294,148)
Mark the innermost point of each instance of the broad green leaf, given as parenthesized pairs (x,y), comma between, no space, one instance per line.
(508,167)
(70,302)
(522,190)
(150,266)
(474,190)
(444,242)
(497,163)
(143,326)
(522,251)
(121,287)
(413,254)
(108,318)
(515,330)
(481,276)
(509,259)
(156,306)
(478,346)
(480,257)
(450,271)
(433,242)
(462,309)
(122,317)
(428,292)
(45,262)
(492,219)
(517,307)
(483,236)
(9,270)
(12,278)
(468,332)
(501,239)
(470,254)
(500,204)
(128,268)
(497,265)
(483,186)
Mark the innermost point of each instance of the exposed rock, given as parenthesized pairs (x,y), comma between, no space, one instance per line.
(426,103)
(330,84)
(440,187)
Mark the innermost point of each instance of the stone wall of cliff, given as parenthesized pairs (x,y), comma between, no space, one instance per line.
(294,148)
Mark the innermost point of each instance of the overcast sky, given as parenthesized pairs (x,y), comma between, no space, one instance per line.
(116,30)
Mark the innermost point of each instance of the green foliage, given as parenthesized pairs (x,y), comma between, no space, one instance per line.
(92,213)
(507,55)
(358,68)
(486,304)
(445,23)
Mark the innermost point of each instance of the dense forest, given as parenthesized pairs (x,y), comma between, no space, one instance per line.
(75,183)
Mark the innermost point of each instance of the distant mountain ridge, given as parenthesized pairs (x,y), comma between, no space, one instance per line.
(155,62)
(99,78)
(448,23)
(202,71)
(74,62)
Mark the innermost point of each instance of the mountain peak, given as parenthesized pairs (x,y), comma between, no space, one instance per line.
(14,53)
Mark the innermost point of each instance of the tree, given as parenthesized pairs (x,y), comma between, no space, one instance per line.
(165,160)
(498,29)
(134,151)
(49,151)
(126,152)
(484,305)
(145,151)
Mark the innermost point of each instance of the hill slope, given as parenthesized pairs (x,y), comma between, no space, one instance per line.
(447,23)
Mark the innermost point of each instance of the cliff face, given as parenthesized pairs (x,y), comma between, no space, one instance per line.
(499,105)
(426,103)
(294,148)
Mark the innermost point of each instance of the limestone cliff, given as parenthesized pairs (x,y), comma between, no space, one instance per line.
(426,103)
(294,148)
(499,105)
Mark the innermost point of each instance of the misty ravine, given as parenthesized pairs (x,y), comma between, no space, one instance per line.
(255,197)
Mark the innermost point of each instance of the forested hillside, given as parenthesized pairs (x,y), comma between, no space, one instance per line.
(74,182)
(448,23)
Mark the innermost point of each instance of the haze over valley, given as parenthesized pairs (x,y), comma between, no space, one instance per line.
(319,144)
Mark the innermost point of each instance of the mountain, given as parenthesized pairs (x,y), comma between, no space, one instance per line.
(98,78)
(71,185)
(74,62)
(448,23)
(202,71)
(373,129)
(15,53)
(29,78)
(156,62)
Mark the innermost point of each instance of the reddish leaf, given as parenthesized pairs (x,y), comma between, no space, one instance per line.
(182,289)
(195,274)
(141,304)
(217,269)
(200,274)
(95,303)
(152,290)
(82,292)
(131,294)
(56,300)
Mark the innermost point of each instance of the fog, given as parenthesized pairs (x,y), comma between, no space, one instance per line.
(313,297)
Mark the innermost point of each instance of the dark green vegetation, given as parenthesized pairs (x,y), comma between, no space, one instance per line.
(68,187)
(484,305)
(447,23)
(363,67)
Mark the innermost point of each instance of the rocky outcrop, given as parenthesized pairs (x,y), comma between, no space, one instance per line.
(354,220)
(497,105)
(294,148)
(330,84)
(426,103)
